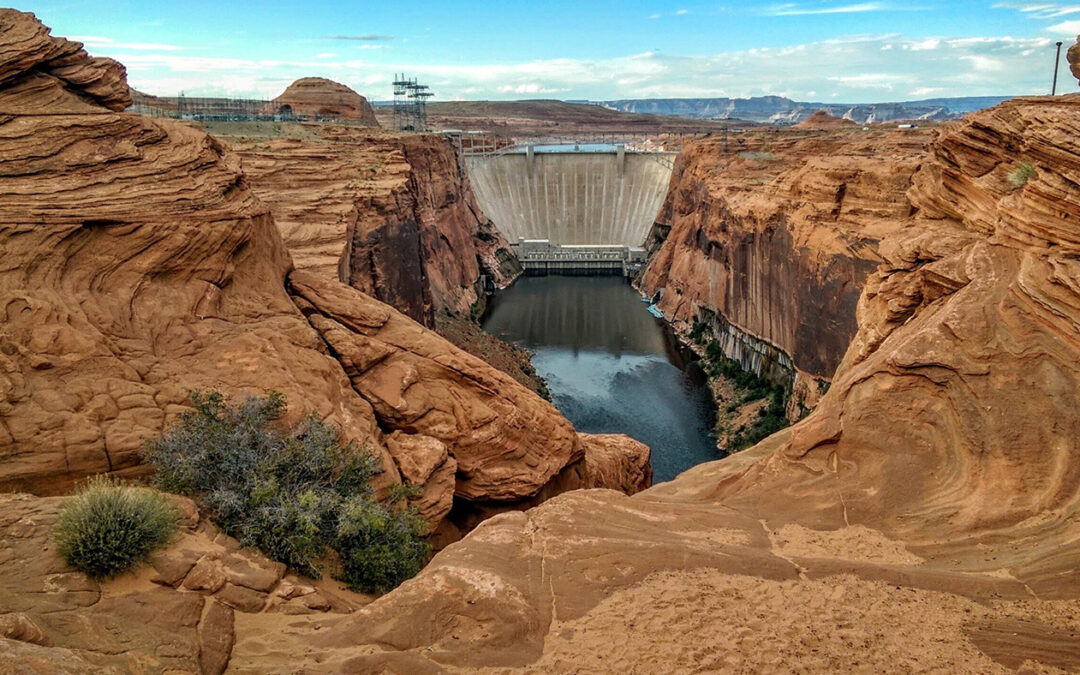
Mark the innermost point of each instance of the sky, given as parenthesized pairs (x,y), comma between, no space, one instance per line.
(850,51)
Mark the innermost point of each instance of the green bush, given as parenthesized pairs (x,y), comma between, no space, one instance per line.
(293,493)
(107,528)
(1024,172)
(750,387)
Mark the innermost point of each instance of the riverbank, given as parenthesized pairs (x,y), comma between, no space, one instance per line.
(748,407)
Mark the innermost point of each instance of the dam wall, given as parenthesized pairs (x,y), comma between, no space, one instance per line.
(572,198)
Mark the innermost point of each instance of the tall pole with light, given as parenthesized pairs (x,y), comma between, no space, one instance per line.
(1057,62)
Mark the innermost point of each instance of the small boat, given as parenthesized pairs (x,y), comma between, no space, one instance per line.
(655,311)
(647,299)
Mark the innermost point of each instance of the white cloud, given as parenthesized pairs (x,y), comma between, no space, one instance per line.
(1065,28)
(793,9)
(857,69)
(682,12)
(94,42)
(1040,10)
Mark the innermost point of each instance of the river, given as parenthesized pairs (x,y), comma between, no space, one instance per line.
(611,366)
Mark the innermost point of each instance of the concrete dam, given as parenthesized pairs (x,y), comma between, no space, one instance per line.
(567,210)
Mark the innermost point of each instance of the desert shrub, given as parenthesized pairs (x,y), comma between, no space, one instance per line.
(1023,172)
(749,387)
(107,528)
(288,492)
(771,418)
(379,549)
(699,331)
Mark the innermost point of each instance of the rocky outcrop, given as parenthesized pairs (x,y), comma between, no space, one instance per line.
(927,513)
(390,215)
(822,120)
(178,613)
(773,235)
(1073,57)
(139,265)
(38,71)
(318,97)
(419,384)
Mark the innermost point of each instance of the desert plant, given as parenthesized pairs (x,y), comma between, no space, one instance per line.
(106,528)
(379,547)
(287,491)
(1020,176)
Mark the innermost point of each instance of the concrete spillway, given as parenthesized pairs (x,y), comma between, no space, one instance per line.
(572,198)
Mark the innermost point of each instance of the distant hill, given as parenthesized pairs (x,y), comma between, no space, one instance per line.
(550,117)
(777,109)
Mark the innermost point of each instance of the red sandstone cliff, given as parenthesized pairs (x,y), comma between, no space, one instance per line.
(314,97)
(773,235)
(138,264)
(390,215)
(925,516)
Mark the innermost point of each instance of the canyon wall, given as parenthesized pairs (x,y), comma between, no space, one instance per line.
(772,236)
(391,215)
(926,516)
(138,265)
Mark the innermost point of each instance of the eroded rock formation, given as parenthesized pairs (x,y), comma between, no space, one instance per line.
(927,514)
(1073,57)
(139,265)
(390,215)
(772,236)
(318,97)
(822,120)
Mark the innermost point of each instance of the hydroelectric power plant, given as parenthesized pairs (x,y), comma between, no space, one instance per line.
(572,208)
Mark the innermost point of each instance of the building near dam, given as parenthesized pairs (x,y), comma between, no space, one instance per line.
(573,208)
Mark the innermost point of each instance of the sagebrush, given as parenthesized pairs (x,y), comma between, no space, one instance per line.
(297,493)
(1023,173)
(107,528)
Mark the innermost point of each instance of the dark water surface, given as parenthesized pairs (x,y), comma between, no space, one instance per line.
(610,365)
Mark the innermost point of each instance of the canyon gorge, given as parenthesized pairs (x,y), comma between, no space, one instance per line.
(918,290)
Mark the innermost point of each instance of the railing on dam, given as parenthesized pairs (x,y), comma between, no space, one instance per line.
(471,143)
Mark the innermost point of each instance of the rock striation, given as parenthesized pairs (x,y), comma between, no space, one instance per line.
(773,235)
(927,514)
(138,265)
(1073,57)
(318,97)
(391,215)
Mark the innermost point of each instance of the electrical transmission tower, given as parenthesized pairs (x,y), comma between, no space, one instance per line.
(410,104)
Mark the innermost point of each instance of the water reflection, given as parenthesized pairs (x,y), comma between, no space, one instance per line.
(611,367)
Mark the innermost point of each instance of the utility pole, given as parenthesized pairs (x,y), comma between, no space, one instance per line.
(1057,62)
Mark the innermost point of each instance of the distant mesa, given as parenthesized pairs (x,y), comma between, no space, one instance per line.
(823,120)
(315,97)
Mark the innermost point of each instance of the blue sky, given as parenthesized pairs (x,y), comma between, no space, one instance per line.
(822,50)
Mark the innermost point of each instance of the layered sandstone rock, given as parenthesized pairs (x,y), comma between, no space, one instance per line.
(925,516)
(773,234)
(318,97)
(390,215)
(822,120)
(138,265)
(178,613)
(1073,57)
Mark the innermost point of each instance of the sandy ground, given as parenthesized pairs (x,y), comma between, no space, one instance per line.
(705,621)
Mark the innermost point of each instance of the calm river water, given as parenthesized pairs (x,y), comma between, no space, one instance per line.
(611,366)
